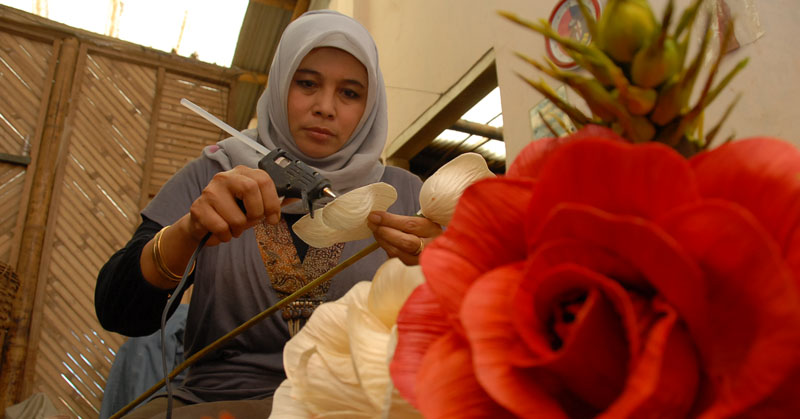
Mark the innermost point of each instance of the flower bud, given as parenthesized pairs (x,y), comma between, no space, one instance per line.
(624,28)
(655,64)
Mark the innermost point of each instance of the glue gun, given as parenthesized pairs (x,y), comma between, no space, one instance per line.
(292,177)
(295,179)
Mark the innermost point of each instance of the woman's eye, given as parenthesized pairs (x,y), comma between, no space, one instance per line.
(306,84)
(351,94)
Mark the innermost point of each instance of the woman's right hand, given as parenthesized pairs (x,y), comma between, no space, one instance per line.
(217,211)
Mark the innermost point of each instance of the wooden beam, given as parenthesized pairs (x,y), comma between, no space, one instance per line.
(63,132)
(300,7)
(230,114)
(14,159)
(255,78)
(474,128)
(396,162)
(471,88)
(152,137)
(36,27)
(14,358)
(283,4)
(35,143)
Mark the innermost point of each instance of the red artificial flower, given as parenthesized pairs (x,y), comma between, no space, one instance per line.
(601,278)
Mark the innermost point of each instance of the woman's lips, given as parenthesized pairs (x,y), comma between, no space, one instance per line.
(320,134)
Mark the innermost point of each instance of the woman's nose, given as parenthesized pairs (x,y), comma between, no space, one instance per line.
(324,105)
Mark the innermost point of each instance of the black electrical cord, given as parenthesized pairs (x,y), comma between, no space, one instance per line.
(175,294)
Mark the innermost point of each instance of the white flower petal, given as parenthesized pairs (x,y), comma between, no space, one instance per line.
(350,211)
(326,330)
(284,406)
(369,339)
(440,192)
(394,405)
(345,218)
(314,231)
(323,390)
(346,414)
(393,283)
(338,364)
(392,344)
(358,294)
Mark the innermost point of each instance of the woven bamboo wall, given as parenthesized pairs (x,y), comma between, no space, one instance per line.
(124,134)
(24,81)
(181,132)
(95,209)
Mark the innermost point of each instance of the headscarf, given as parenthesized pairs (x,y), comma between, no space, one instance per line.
(357,162)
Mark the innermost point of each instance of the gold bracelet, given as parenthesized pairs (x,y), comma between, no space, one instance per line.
(162,267)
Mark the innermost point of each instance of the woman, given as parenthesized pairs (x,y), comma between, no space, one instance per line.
(325,103)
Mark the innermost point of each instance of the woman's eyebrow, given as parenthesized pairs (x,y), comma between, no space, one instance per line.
(308,71)
(355,82)
(311,72)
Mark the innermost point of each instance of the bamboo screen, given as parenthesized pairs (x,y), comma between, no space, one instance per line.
(124,134)
(97,206)
(95,209)
(24,65)
(181,132)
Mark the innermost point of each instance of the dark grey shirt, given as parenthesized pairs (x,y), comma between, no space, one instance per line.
(231,286)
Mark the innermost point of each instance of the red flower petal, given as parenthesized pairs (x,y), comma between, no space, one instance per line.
(593,362)
(419,324)
(585,370)
(590,256)
(446,385)
(646,180)
(785,400)
(533,302)
(487,313)
(566,251)
(753,338)
(660,259)
(484,233)
(664,381)
(792,254)
(530,160)
(763,175)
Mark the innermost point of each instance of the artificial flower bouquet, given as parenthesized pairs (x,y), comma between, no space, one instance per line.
(621,281)
(626,270)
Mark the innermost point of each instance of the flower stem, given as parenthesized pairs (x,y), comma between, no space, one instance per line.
(248,324)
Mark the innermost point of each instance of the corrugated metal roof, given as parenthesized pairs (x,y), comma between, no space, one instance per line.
(261,30)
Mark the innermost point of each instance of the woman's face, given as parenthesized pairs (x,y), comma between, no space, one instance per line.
(327,97)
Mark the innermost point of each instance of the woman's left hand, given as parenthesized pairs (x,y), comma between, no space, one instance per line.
(402,236)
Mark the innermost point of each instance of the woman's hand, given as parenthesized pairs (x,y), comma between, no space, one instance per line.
(217,211)
(402,236)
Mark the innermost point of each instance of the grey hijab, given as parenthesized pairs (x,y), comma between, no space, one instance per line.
(357,163)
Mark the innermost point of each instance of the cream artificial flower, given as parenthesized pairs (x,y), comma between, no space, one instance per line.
(345,218)
(440,192)
(338,364)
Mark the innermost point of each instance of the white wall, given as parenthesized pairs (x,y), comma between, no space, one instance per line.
(427,45)
(770,84)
